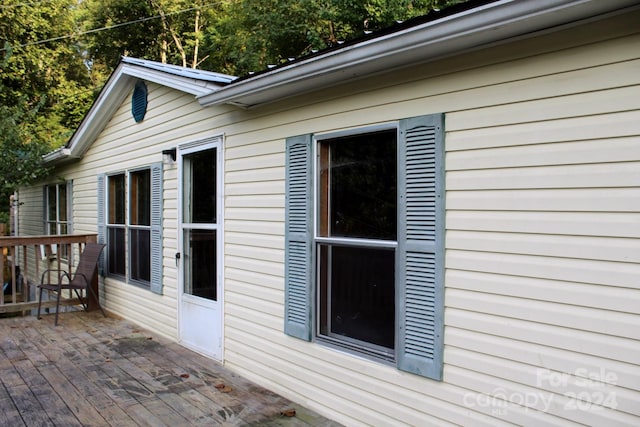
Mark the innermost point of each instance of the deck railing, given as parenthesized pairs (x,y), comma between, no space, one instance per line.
(24,258)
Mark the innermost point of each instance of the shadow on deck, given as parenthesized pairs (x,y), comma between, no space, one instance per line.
(95,371)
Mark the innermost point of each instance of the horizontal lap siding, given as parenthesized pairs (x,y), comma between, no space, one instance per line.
(543,237)
(31,222)
(543,248)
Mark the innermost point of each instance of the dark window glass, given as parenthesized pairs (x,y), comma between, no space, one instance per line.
(62,203)
(200,200)
(116,199)
(140,242)
(116,252)
(358,186)
(200,268)
(140,197)
(52,200)
(357,294)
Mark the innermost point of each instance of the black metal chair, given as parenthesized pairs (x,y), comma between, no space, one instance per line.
(81,279)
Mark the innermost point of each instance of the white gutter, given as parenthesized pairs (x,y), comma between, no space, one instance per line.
(464,31)
(57,155)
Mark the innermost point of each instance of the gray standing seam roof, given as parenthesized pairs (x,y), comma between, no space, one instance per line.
(177,70)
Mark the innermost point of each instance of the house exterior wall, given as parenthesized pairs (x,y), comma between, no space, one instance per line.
(542,232)
(31,218)
(173,117)
(542,237)
(31,209)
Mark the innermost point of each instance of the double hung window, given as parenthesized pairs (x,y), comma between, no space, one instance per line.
(129,222)
(364,242)
(116,226)
(58,210)
(356,239)
(140,225)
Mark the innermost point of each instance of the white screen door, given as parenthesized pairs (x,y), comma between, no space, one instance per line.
(200,241)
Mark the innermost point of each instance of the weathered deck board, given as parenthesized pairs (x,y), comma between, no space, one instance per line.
(95,371)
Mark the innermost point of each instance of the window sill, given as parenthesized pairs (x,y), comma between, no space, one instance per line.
(360,351)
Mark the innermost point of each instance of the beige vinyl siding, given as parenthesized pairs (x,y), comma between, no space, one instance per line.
(31,210)
(31,222)
(543,236)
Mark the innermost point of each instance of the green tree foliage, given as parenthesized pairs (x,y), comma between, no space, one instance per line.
(106,46)
(167,31)
(51,75)
(255,33)
(45,87)
(234,36)
(20,162)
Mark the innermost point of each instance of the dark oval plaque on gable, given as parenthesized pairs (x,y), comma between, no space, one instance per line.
(139,101)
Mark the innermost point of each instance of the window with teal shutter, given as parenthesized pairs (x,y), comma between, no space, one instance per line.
(366,275)
(141,223)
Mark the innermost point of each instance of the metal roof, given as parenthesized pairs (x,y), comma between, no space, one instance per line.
(487,23)
(179,71)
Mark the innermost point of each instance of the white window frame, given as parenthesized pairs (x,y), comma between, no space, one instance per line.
(48,221)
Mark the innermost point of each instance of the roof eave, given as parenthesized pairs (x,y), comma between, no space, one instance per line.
(57,156)
(465,31)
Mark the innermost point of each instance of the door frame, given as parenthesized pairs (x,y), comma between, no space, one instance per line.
(216,142)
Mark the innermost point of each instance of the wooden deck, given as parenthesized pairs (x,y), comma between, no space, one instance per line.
(95,371)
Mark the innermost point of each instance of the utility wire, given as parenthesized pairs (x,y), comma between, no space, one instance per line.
(95,30)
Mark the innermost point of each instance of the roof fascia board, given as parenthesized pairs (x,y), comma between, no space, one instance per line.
(183,84)
(468,30)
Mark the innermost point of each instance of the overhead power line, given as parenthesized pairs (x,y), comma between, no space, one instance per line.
(110,27)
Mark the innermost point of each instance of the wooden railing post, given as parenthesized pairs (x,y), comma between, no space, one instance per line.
(2,274)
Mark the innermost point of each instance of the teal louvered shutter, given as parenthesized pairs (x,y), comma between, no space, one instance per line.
(420,287)
(298,237)
(69,206)
(156,228)
(102,228)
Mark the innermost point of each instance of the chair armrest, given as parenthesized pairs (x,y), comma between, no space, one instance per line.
(61,274)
